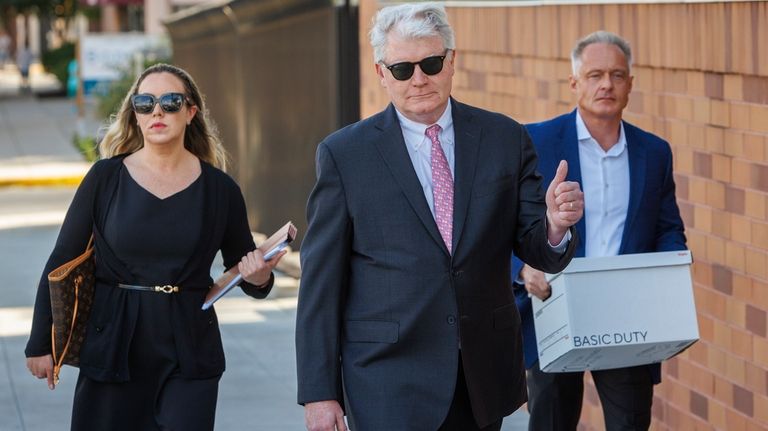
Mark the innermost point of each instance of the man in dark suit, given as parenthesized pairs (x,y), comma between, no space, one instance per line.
(630,207)
(406,314)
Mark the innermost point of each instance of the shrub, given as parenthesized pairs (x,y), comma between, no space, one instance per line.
(87,146)
(57,60)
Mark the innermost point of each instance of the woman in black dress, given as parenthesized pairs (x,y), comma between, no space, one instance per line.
(160,208)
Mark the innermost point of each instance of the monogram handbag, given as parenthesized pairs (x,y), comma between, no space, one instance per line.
(71,286)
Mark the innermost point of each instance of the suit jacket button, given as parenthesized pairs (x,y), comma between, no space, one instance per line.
(451,319)
(458,273)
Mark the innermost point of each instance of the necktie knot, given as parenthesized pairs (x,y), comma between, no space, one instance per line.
(432,132)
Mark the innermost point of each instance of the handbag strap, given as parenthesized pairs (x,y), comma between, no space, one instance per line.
(59,362)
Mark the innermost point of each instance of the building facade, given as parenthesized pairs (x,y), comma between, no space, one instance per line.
(701,83)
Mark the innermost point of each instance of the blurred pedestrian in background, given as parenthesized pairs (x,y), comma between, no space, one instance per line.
(5,46)
(160,208)
(23,63)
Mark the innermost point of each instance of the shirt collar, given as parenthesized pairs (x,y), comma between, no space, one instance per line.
(409,126)
(583,134)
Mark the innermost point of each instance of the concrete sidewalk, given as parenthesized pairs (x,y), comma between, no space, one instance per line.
(36,142)
(36,135)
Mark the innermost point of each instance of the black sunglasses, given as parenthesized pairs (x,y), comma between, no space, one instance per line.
(430,66)
(169,102)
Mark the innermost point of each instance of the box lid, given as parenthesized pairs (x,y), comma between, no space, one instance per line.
(627,261)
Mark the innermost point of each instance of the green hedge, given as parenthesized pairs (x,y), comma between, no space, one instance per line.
(57,60)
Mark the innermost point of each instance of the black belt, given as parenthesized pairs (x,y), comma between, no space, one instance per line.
(164,289)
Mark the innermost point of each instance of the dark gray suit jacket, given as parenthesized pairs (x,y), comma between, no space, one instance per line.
(384,307)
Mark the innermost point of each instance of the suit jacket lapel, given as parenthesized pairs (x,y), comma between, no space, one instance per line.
(568,150)
(637,160)
(391,147)
(467,142)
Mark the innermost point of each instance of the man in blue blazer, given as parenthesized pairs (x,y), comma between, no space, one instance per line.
(630,207)
(406,315)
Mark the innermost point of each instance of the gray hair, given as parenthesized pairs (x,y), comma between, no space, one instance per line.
(411,21)
(600,36)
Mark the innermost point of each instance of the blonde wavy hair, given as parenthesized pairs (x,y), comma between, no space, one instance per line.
(201,137)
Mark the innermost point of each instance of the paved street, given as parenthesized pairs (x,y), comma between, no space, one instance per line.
(258,389)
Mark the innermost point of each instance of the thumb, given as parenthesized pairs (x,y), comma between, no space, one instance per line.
(562,172)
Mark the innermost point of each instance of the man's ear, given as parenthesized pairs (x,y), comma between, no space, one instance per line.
(380,72)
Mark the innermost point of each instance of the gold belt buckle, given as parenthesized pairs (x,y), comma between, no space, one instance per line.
(167,289)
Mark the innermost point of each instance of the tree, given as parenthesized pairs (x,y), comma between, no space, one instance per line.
(46,10)
(50,8)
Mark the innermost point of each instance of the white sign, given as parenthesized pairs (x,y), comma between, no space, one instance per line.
(104,56)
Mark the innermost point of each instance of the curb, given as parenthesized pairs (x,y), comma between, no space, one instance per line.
(42,173)
(42,181)
(31,172)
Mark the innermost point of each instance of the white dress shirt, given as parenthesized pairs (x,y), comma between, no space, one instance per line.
(605,182)
(420,150)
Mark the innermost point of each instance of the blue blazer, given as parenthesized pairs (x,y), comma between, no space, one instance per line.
(653,220)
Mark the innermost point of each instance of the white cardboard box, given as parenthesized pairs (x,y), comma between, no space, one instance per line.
(617,311)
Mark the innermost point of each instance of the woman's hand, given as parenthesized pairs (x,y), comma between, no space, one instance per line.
(255,270)
(42,368)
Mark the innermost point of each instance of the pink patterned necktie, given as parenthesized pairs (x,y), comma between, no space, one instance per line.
(442,187)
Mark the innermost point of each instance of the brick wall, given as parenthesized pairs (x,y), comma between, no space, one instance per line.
(701,82)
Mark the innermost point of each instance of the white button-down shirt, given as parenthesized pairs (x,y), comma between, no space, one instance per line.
(420,149)
(605,182)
